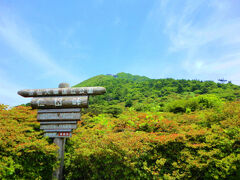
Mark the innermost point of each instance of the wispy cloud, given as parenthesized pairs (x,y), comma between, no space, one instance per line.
(208,34)
(19,37)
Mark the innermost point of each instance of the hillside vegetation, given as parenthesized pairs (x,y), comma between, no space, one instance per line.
(141,128)
(144,94)
(24,153)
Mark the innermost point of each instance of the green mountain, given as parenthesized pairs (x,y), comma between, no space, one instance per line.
(101,80)
(144,94)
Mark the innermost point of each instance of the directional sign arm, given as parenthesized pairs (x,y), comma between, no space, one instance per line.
(60,102)
(78,91)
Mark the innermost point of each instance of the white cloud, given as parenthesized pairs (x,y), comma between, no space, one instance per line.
(18,36)
(207,32)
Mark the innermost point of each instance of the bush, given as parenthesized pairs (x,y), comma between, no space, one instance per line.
(24,153)
(197,103)
(142,107)
(204,144)
(128,103)
(114,110)
(156,145)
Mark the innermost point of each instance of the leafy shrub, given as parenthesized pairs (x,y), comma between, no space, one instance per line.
(142,107)
(197,103)
(114,110)
(128,103)
(24,153)
(203,144)
(153,145)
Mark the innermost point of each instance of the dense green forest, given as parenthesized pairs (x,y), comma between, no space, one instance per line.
(141,128)
(163,95)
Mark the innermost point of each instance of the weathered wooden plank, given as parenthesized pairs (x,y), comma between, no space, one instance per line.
(59,110)
(64,121)
(58,116)
(57,130)
(58,134)
(58,126)
(57,122)
(60,102)
(62,91)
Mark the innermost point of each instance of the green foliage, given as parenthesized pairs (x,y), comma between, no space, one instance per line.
(192,104)
(154,145)
(114,110)
(142,93)
(128,103)
(168,129)
(131,77)
(24,153)
(140,107)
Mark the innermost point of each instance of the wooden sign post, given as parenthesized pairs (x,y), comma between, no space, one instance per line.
(58,112)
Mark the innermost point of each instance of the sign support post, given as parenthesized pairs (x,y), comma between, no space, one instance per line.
(60,142)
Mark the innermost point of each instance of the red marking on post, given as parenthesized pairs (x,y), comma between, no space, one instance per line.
(64,134)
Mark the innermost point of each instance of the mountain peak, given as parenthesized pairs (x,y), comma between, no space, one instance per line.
(101,80)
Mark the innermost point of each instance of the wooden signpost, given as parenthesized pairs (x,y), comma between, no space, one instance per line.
(59,111)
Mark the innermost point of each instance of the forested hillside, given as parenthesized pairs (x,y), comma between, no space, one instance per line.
(144,94)
(141,128)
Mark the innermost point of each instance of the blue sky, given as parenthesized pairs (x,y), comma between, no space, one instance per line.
(43,43)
